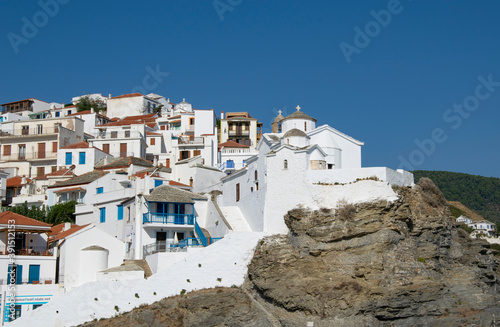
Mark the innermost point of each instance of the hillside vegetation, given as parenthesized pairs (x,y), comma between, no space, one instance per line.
(481,194)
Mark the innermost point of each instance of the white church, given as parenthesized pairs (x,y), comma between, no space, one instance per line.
(299,164)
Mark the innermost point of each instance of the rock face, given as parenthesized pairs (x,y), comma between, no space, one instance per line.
(211,307)
(372,264)
(396,264)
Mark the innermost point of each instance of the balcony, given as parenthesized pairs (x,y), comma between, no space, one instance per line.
(163,246)
(121,134)
(29,156)
(168,218)
(190,128)
(31,130)
(239,133)
(182,140)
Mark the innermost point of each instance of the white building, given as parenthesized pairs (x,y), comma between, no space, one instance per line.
(82,156)
(125,137)
(25,107)
(241,128)
(232,156)
(484,227)
(133,104)
(294,167)
(84,251)
(30,147)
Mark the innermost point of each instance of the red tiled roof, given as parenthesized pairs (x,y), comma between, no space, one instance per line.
(153,133)
(59,228)
(66,233)
(175,121)
(60,172)
(80,145)
(178,116)
(20,220)
(232,144)
(152,125)
(130,120)
(174,183)
(130,95)
(16,181)
(70,190)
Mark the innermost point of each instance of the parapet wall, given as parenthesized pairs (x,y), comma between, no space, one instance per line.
(342,176)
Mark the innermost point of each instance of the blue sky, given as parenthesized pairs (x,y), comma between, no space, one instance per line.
(409,86)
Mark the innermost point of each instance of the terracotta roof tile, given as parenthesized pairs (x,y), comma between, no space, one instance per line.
(174,183)
(20,220)
(66,233)
(79,145)
(130,95)
(232,144)
(60,172)
(70,190)
(16,181)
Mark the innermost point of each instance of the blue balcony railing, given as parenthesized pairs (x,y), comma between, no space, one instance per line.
(168,218)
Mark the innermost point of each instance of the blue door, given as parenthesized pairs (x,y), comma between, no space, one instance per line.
(34,274)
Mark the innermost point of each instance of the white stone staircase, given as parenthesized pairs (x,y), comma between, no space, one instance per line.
(235,219)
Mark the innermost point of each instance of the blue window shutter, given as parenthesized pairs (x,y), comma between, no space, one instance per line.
(19,274)
(102,215)
(69,158)
(158,182)
(99,190)
(120,212)
(34,274)
(82,158)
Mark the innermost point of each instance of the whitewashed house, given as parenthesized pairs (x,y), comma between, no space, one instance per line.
(83,252)
(91,120)
(232,156)
(133,104)
(32,268)
(125,137)
(30,147)
(34,192)
(483,227)
(82,156)
(25,107)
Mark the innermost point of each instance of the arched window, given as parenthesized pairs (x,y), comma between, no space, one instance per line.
(285,164)
(256,175)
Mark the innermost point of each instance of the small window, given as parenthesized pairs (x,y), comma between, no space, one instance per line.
(53,169)
(305,126)
(158,182)
(285,164)
(69,112)
(127,133)
(237,192)
(120,212)
(256,186)
(40,171)
(167,163)
(54,147)
(6,150)
(81,158)
(105,148)
(152,141)
(99,190)
(196,152)
(69,158)
(102,215)
(114,134)
(163,127)
(256,174)
(58,113)
(191,120)
(39,129)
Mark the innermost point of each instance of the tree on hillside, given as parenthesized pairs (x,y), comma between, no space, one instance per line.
(86,103)
(59,213)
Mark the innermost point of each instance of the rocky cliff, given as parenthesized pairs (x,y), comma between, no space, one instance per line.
(371,264)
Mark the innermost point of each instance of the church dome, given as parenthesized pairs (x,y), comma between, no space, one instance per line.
(295,132)
(299,115)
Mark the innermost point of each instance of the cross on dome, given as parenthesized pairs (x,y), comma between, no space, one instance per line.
(298,108)
(280,112)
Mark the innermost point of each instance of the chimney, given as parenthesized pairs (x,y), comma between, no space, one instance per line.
(155,161)
(109,97)
(222,115)
(92,110)
(23,179)
(66,226)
